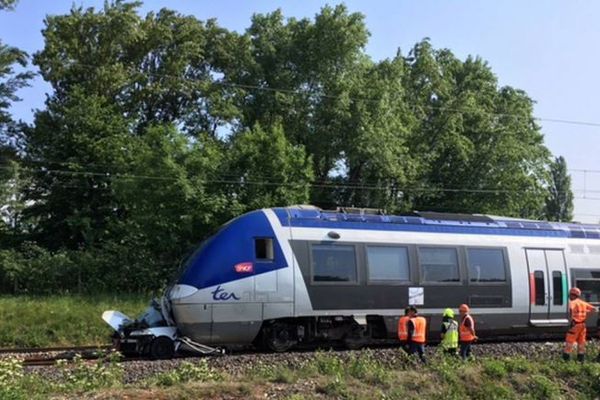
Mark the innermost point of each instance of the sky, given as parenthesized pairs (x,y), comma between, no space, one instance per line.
(549,48)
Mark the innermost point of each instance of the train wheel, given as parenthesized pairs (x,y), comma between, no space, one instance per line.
(162,348)
(279,337)
(355,339)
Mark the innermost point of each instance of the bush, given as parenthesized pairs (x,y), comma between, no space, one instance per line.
(275,373)
(336,387)
(492,390)
(11,376)
(16,385)
(329,364)
(81,375)
(186,372)
(365,367)
(31,269)
(543,388)
(517,365)
(494,369)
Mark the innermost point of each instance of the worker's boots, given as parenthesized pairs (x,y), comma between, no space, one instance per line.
(566,356)
(581,357)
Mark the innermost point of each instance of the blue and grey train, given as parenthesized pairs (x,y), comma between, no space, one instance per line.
(281,277)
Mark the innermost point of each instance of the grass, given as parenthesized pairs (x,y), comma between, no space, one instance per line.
(328,375)
(46,321)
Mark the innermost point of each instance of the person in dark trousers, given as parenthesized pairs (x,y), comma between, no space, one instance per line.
(403,330)
(417,328)
(449,333)
(466,331)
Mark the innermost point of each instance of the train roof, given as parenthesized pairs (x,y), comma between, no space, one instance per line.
(310,216)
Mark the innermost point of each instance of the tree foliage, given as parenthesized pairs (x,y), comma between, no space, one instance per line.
(162,127)
(7,4)
(10,82)
(157,69)
(12,60)
(265,170)
(559,203)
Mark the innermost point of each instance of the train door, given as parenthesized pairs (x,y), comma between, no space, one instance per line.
(547,287)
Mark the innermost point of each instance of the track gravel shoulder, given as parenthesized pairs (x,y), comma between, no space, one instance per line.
(238,364)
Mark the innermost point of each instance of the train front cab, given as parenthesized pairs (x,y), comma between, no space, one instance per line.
(238,278)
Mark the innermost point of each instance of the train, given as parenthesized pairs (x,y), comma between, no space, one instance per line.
(288,276)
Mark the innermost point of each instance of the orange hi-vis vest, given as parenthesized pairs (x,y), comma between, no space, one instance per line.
(579,310)
(420,326)
(464,333)
(403,328)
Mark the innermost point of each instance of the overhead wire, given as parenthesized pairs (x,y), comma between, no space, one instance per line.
(261,176)
(354,98)
(329,184)
(314,184)
(323,95)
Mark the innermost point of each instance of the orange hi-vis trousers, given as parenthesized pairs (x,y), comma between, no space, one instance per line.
(576,334)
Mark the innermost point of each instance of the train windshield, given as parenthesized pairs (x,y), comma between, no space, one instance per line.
(187,258)
(191,255)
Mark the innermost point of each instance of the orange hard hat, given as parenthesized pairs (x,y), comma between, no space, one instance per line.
(575,292)
(463,308)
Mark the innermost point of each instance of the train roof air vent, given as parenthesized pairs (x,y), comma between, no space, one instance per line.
(454,217)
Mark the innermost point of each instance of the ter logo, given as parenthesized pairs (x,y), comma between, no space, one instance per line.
(220,294)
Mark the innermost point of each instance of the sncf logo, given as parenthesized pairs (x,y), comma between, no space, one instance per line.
(244,268)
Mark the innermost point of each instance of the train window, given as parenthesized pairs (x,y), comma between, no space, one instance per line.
(486,265)
(590,289)
(333,263)
(540,290)
(438,264)
(263,249)
(557,287)
(387,263)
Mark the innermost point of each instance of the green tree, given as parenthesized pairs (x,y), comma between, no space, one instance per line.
(559,203)
(11,201)
(157,69)
(481,148)
(376,148)
(74,148)
(300,73)
(265,170)
(10,82)
(7,4)
(162,127)
(170,201)
(114,75)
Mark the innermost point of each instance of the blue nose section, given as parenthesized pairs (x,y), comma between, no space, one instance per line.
(233,245)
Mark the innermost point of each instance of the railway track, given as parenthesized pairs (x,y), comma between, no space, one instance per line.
(39,356)
(20,350)
(49,356)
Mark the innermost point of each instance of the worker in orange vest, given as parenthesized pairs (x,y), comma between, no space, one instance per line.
(466,331)
(578,312)
(417,328)
(403,329)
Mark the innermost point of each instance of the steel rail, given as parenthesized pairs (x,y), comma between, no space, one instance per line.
(18,350)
